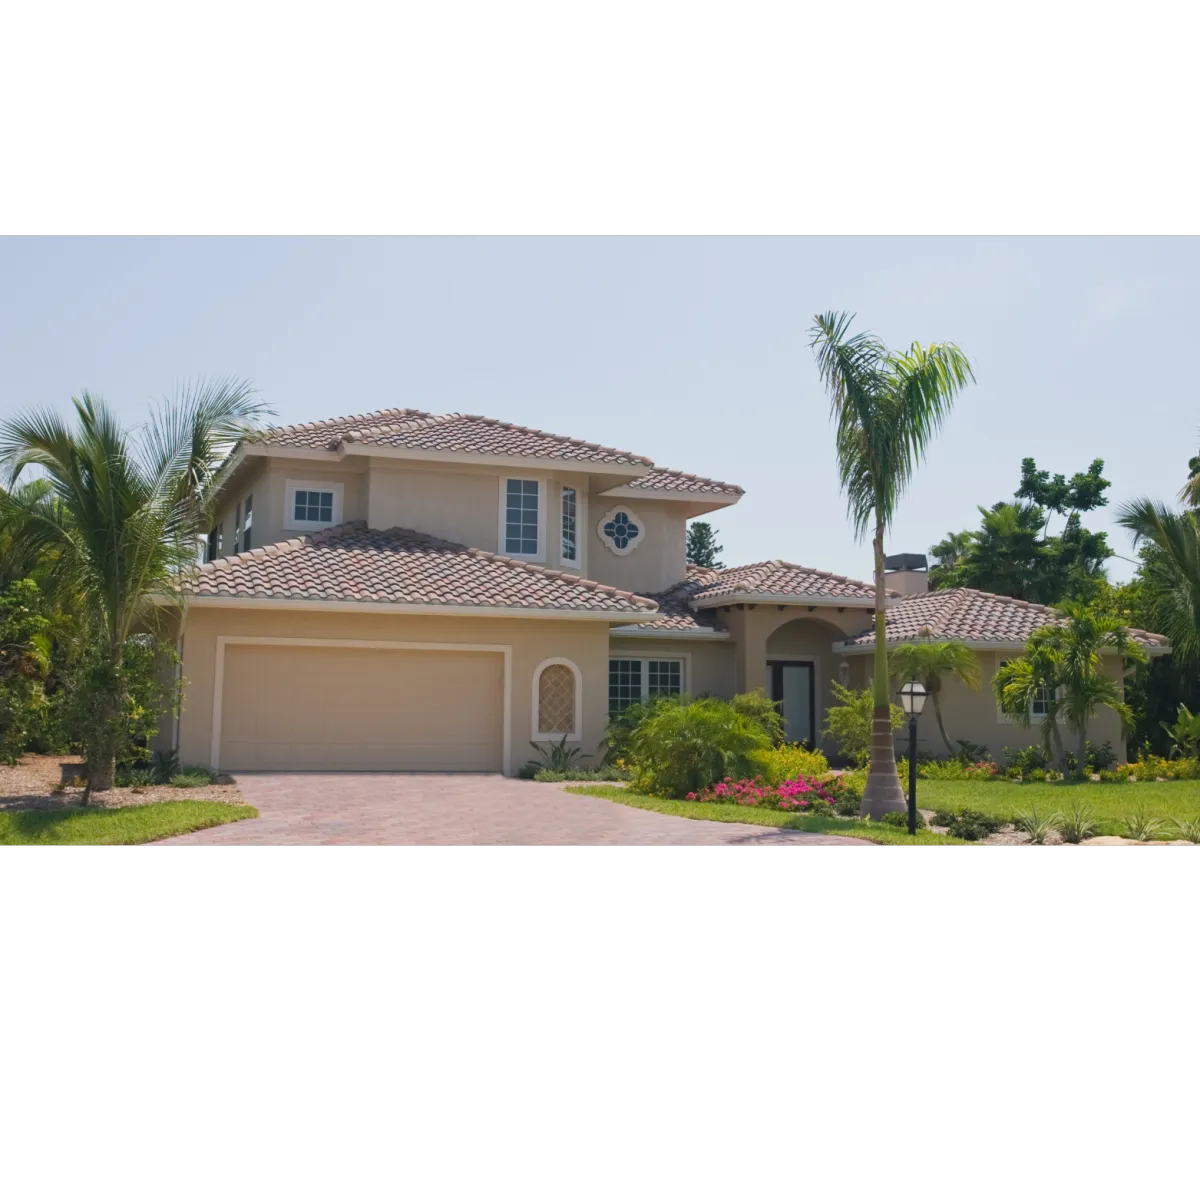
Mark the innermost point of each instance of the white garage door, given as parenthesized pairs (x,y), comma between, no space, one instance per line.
(304,708)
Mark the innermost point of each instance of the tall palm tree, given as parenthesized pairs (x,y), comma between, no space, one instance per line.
(886,407)
(1061,668)
(120,512)
(1175,566)
(933,663)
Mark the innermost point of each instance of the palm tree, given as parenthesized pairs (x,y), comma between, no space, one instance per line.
(1061,668)
(1175,566)
(886,408)
(120,514)
(933,663)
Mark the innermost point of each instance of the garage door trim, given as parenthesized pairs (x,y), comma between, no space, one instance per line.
(224,640)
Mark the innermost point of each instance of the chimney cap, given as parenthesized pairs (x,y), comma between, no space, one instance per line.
(906,562)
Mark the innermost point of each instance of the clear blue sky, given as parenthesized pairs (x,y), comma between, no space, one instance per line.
(692,351)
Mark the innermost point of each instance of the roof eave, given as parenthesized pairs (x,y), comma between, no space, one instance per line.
(583,466)
(786,598)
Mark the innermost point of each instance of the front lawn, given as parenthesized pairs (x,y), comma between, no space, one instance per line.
(1110,802)
(886,835)
(116,826)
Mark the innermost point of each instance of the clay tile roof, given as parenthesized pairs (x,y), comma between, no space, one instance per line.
(398,566)
(663,479)
(318,435)
(968,615)
(676,606)
(469,434)
(778,578)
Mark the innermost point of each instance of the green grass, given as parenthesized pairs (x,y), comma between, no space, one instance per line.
(117,826)
(885,835)
(1110,803)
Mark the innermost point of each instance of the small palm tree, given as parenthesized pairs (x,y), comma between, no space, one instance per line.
(1061,667)
(1176,563)
(886,408)
(933,663)
(119,514)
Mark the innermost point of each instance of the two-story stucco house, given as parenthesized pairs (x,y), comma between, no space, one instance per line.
(404,591)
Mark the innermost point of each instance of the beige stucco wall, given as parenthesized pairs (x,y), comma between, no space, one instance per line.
(974,716)
(708,666)
(583,642)
(658,559)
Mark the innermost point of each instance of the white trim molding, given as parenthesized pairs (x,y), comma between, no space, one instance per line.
(537,734)
(688,635)
(224,640)
(787,599)
(502,533)
(634,520)
(292,486)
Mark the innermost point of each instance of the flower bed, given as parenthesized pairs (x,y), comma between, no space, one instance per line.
(803,794)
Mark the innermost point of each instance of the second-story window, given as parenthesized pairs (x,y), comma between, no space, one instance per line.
(570,537)
(521,517)
(214,543)
(246,518)
(313,506)
(237,527)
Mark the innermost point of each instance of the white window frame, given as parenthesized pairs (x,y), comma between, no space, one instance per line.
(579,526)
(685,669)
(539,735)
(501,531)
(247,521)
(311,485)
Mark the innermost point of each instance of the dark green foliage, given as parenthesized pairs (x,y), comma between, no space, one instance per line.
(763,711)
(621,726)
(1028,758)
(702,548)
(579,775)
(971,752)
(968,824)
(846,791)
(900,819)
(164,764)
(24,664)
(1083,492)
(1102,757)
(553,756)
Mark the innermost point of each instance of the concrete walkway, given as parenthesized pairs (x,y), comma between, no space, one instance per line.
(462,810)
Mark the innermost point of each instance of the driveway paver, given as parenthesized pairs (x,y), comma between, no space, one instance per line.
(462,810)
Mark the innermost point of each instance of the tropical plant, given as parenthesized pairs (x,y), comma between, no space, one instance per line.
(1038,827)
(1061,668)
(1140,826)
(702,548)
(1174,571)
(886,408)
(688,746)
(1076,824)
(762,710)
(1189,828)
(1184,734)
(120,514)
(554,756)
(933,663)
(851,720)
(789,762)
(24,664)
(967,823)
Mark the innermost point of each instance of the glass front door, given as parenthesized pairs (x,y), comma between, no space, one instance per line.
(793,690)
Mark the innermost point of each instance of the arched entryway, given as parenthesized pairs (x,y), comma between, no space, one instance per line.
(800,667)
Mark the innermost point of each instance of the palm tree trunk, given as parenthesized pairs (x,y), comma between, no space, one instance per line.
(937,712)
(1083,747)
(883,793)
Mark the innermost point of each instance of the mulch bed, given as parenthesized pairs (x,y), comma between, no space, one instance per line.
(28,785)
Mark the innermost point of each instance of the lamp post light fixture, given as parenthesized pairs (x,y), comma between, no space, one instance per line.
(912,699)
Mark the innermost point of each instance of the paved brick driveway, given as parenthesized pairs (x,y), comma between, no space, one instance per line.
(462,810)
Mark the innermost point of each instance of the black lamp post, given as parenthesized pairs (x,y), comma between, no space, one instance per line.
(912,698)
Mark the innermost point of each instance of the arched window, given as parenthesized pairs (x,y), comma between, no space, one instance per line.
(557,701)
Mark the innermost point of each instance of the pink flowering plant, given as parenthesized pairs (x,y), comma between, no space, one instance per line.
(804,794)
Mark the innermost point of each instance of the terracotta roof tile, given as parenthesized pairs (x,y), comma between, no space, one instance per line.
(469,434)
(317,435)
(965,614)
(676,605)
(400,566)
(663,479)
(784,579)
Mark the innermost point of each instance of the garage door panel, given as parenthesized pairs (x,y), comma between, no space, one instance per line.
(336,708)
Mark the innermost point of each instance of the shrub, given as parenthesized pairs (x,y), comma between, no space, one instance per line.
(763,711)
(1037,775)
(787,762)
(795,795)
(970,752)
(967,824)
(191,779)
(621,727)
(164,765)
(846,792)
(1189,829)
(682,748)
(24,663)
(849,722)
(1037,826)
(1102,757)
(947,768)
(577,774)
(1076,824)
(1027,758)
(1112,777)
(900,819)
(133,776)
